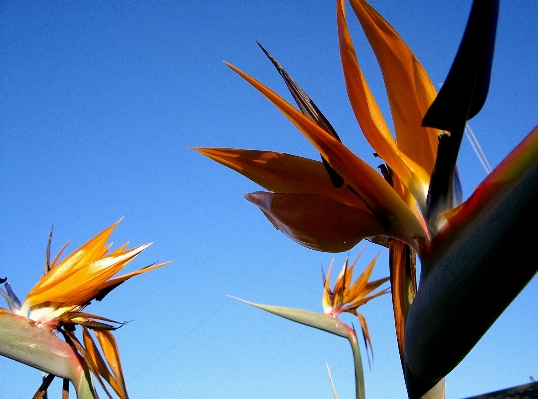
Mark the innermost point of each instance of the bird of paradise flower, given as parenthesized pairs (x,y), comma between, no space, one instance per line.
(345,297)
(335,214)
(56,303)
(414,206)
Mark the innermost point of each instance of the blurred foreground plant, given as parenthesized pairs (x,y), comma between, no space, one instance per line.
(54,306)
(414,206)
(345,297)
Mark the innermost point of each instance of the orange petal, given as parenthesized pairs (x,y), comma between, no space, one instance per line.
(408,198)
(81,285)
(380,198)
(98,365)
(326,299)
(282,173)
(112,355)
(366,335)
(361,301)
(409,89)
(317,222)
(109,285)
(87,253)
(357,290)
(53,263)
(371,120)
(341,284)
(403,287)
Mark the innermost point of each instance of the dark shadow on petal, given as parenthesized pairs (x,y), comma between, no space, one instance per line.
(307,107)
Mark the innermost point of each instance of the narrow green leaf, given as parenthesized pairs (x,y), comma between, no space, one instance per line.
(320,321)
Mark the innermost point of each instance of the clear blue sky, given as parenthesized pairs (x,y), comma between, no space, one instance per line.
(98,101)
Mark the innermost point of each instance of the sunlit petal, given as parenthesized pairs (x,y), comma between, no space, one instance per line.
(327,293)
(347,296)
(357,289)
(365,334)
(92,250)
(283,173)
(108,285)
(372,123)
(409,89)
(359,301)
(55,304)
(81,284)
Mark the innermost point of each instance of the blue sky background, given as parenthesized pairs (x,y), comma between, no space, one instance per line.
(98,102)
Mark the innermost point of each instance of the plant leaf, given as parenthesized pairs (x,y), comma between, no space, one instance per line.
(320,321)
(472,288)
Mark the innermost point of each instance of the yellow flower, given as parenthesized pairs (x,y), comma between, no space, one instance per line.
(332,205)
(59,297)
(347,296)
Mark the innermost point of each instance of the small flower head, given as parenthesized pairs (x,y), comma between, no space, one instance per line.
(347,296)
(58,299)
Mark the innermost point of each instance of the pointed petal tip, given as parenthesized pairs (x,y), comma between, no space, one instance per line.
(116,223)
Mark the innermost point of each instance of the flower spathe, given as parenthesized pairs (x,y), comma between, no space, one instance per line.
(59,297)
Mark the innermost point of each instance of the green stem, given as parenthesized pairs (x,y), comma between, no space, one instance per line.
(359,373)
(437,392)
(39,347)
(83,386)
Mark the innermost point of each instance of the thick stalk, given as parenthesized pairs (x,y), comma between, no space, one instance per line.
(473,269)
(360,392)
(437,392)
